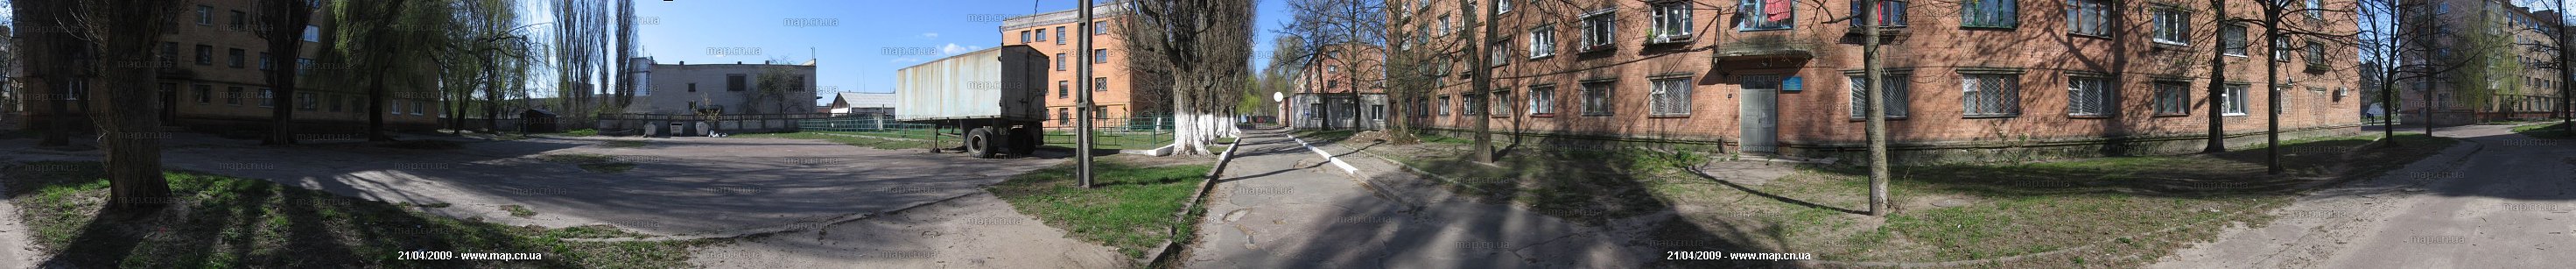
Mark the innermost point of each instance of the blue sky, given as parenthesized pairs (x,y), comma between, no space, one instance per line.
(860,44)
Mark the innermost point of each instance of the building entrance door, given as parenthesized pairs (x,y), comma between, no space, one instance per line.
(1758,118)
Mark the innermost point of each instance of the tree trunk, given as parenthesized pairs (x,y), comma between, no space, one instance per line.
(132,137)
(285,42)
(376,111)
(2218,89)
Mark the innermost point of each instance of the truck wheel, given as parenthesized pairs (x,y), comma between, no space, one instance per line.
(979,142)
(1025,140)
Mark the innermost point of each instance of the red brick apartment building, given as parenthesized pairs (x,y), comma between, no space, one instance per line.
(1325,90)
(1993,80)
(214,78)
(1114,84)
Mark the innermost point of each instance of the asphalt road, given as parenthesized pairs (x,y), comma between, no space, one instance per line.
(2498,200)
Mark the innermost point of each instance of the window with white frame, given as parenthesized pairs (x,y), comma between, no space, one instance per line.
(1989,13)
(265,99)
(2089,96)
(1444,25)
(1542,100)
(2316,9)
(1501,52)
(2232,39)
(1444,105)
(1471,104)
(1989,95)
(1891,13)
(1600,29)
(1672,97)
(1596,98)
(1059,61)
(2173,98)
(1503,6)
(1672,22)
(2280,50)
(2090,17)
(1897,93)
(2233,100)
(1542,41)
(1764,14)
(2173,25)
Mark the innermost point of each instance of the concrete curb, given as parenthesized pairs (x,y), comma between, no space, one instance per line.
(1328,156)
(1169,247)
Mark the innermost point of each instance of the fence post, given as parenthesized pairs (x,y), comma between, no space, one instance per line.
(1158,125)
(881,119)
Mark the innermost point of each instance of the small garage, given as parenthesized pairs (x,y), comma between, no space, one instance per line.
(538,121)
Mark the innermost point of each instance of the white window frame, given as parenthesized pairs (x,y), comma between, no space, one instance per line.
(1671,97)
(2091,96)
(1749,11)
(1500,53)
(1444,105)
(1502,6)
(1899,103)
(1600,30)
(1672,23)
(1990,95)
(2172,25)
(2232,101)
(1542,100)
(1542,41)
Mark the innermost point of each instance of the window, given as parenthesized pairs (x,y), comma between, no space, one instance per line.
(1989,95)
(1063,116)
(1042,35)
(1099,55)
(2316,55)
(306,102)
(205,94)
(1099,84)
(1596,98)
(1444,25)
(1332,69)
(1099,28)
(1059,35)
(312,33)
(265,99)
(303,65)
(1062,89)
(419,106)
(240,20)
(1891,13)
(1671,97)
(1502,104)
(2173,26)
(796,83)
(205,15)
(1501,52)
(1897,106)
(205,55)
(2089,96)
(1059,61)
(1672,23)
(1989,13)
(693,87)
(232,95)
(1471,104)
(2234,101)
(2173,98)
(1600,29)
(1444,105)
(2232,39)
(238,56)
(395,107)
(1502,6)
(2280,50)
(1762,14)
(1542,41)
(1024,36)
(264,62)
(2092,17)
(1542,100)
(735,83)
(2316,9)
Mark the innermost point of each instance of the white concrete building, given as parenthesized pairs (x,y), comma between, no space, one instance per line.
(855,103)
(727,88)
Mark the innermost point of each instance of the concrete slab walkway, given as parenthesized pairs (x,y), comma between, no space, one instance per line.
(2498,200)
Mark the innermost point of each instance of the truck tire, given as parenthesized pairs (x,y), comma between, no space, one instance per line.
(1025,140)
(979,143)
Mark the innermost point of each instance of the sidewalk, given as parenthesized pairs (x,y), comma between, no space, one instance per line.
(1283,205)
(2497,200)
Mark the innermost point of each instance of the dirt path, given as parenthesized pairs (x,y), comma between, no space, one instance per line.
(2498,200)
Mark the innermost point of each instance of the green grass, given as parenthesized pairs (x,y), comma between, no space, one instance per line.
(519,211)
(2545,130)
(216,221)
(594,163)
(2146,206)
(868,142)
(1114,140)
(582,132)
(1130,208)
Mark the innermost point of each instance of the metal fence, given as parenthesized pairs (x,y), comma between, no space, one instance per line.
(1108,133)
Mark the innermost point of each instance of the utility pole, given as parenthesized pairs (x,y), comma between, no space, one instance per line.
(1484,80)
(2272,75)
(1082,98)
(1874,74)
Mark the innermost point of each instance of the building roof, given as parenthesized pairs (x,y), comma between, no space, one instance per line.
(857,99)
(1099,10)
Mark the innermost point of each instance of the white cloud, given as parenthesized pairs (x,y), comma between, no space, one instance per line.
(953,48)
(930,35)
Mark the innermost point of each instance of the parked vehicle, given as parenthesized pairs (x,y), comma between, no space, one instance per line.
(994,98)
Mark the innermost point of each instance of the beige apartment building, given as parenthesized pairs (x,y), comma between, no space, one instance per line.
(1342,87)
(1989,81)
(213,77)
(2501,58)
(1114,84)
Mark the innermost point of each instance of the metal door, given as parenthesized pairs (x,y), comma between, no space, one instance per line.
(1758,118)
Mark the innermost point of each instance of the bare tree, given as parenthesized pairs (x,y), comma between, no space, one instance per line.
(1205,47)
(49,49)
(284,22)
